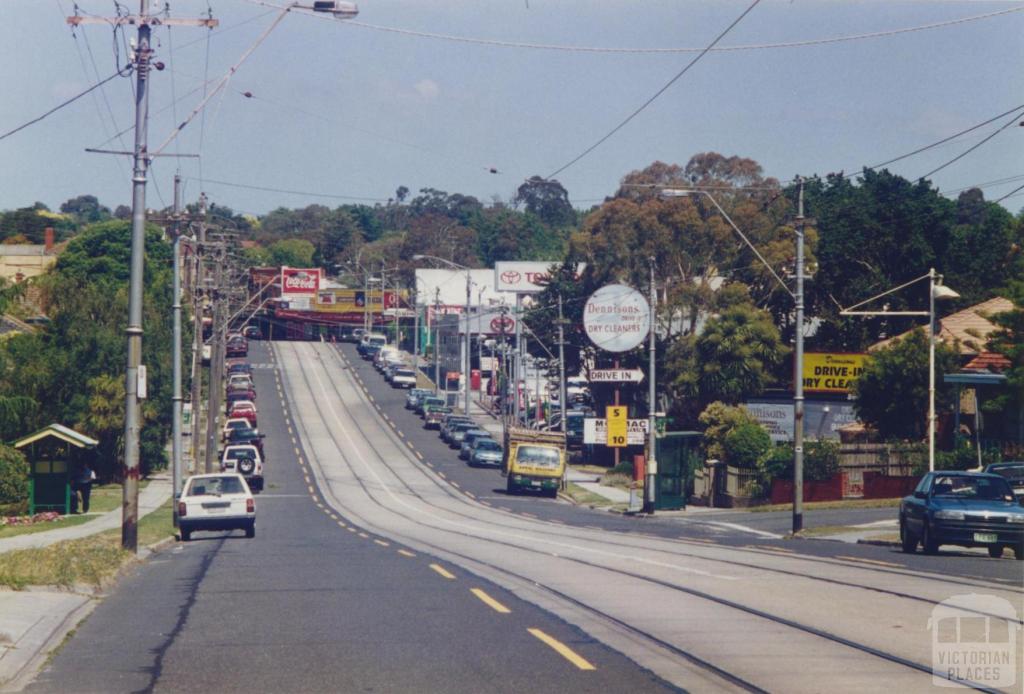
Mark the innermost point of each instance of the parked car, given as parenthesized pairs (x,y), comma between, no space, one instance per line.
(413,398)
(237,346)
(235,423)
(429,401)
(240,380)
(433,416)
(468,438)
(485,452)
(252,332)
(243,409)
(216,502)
(458,432)
(449,424)
(247,436)
(370,344)
(239,366)
(245,459)
(1012,472)
(969,509)
(403,377)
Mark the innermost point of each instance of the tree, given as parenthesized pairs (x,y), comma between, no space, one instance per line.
(103,418)
(892,391)
(547,199)
(86,209)
(14,476)
(731,360)
(292,252)
(1008,340)
(718,420)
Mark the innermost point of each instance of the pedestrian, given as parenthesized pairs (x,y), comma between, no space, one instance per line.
(86,477)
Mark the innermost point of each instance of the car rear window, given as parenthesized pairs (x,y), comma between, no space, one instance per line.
(487,445)
(216,485)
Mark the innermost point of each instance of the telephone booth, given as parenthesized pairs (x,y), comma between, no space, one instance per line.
(53,455)
(678,452)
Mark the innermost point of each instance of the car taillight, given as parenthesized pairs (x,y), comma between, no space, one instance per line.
(182,509)
(250,506)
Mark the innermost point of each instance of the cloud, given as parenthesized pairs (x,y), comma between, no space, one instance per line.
(428,89)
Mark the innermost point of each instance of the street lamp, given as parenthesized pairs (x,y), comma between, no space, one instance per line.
(936,292)
(798,299)
(469,298)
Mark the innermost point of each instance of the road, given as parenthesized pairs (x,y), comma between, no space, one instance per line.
(372,538)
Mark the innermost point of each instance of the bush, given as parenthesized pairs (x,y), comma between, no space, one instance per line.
(14,475)
(625,467)
(719,419)
(746,444)
(776,464)
(821,460)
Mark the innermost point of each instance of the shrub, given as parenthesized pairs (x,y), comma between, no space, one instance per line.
(746,444)
(719,419)
(14,475)
(776,464)
(821,460)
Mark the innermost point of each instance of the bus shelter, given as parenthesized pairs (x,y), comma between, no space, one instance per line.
(54,453)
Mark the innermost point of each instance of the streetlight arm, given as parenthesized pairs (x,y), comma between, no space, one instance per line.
(685,192)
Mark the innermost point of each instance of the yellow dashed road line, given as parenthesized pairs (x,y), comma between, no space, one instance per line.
(489,601)
(364,536)
(418,454)
(470,495)
(342,525)
(406,553)
(351,529)
(442,571)
(382,543)
(563,650)
(311,490)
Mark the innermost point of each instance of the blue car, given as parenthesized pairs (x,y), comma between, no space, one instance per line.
(969,509)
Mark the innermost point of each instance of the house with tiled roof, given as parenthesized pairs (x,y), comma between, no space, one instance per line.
(969,329)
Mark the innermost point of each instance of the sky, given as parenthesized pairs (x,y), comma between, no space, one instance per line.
(348,111)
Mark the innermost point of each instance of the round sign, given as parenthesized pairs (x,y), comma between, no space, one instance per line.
(616,318)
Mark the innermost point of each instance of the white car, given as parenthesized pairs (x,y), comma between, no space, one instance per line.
(245,459)
(403,377)
(219,501)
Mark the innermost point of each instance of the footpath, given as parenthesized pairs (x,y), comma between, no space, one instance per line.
(34,621)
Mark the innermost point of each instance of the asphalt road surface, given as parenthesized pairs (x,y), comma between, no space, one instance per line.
(383,563)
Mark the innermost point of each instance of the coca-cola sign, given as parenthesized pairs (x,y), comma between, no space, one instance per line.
(300,281)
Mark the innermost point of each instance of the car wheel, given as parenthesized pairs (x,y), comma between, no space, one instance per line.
(995,551)
(186,535)
(928,542)
(250,530)
(907,540)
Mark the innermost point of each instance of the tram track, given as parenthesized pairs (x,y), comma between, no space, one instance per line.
(334,392)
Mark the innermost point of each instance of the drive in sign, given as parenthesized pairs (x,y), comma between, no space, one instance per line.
(616,376)
(616,318)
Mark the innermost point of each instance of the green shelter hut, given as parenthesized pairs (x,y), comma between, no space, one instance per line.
(54,453)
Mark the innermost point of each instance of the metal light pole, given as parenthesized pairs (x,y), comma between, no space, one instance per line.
(798,394)
(936,291)
(652,441)
(562,395)
(176,356)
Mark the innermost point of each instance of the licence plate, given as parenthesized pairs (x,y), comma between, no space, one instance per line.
(985,537)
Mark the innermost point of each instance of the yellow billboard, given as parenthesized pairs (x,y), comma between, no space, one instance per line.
(832,372)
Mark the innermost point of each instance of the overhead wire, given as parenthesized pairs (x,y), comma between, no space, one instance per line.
(975,146)
(294,192)
(649,50)
(658,93)
(58,107)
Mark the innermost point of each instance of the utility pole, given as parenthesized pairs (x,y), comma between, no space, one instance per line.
(651,475)
(176,367)
(216,361)
(141,62)
(517,366)
(437,340)
(466,362)
(562,395)
(197,341)
(503,391)
(798,376)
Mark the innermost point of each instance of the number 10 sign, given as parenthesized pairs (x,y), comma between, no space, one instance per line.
(617,425)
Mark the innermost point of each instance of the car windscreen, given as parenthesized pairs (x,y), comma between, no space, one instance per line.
(378,341)
(538,456)
(487,445)
(963,487)
(433,402)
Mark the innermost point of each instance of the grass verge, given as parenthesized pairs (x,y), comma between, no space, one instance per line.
(823,505)
(108,497)
(64,522)
(584,497)
(91,560)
